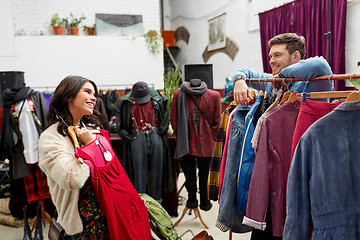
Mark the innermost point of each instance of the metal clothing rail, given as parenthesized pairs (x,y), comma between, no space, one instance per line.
(327,77)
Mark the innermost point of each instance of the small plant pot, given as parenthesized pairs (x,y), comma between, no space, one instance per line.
(58,30)
(90,32)
(74,31)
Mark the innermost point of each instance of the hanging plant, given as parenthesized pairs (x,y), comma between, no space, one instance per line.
(153,41)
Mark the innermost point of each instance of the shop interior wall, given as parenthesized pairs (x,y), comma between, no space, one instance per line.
(242,27)
(28,44)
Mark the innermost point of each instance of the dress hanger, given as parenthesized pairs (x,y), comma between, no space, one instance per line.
(285,97)
(253,94)
(352,97)
(332,94)
(76,142)
(294,96)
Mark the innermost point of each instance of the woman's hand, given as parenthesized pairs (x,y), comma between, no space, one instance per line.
(84,135)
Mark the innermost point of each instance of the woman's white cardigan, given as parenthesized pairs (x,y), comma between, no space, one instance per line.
(65,176)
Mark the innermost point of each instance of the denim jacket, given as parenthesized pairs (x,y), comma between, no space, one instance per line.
(228,218)
(247,155)
(324,179)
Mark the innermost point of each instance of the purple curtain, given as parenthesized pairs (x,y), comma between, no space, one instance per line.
(338,30)
(309,18)
(273,22)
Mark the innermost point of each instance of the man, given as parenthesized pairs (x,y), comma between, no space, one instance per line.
(287,53)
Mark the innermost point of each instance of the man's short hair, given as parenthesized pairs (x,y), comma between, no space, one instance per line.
(293,41)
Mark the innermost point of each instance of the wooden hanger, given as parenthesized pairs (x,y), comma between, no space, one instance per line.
(294,96)
(331,94)
(314,95)
(260,93)
(285,97)
(253,94)
(76,142)
(352,97)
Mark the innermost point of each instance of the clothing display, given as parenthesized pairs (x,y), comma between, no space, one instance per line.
(130,133)
(24,116)
(250,195)
(323,183)
(195,118)
(267,202)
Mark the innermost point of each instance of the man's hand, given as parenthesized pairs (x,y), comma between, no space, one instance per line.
(276,85)
(241,92)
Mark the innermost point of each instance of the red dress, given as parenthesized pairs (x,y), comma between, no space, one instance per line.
(125,211)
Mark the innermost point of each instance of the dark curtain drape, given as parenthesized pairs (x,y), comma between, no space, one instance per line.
(338,30)
(274,22)
(309,18)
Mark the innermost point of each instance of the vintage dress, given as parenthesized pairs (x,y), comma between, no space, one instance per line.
(125,211)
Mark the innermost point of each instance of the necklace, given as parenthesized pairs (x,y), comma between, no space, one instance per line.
(107,155)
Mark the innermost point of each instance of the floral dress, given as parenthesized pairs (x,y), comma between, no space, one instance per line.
(93,219)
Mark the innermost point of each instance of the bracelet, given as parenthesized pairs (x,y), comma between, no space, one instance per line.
(240,78)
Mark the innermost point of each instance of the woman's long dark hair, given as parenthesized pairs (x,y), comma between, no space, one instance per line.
(58,109)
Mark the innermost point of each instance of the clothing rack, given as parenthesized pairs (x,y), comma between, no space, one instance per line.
(326,77)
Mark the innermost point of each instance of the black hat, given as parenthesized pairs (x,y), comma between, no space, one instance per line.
(141,92)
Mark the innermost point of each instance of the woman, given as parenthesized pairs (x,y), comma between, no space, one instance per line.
(72,190)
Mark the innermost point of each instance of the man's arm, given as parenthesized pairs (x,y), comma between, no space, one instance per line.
(241,90)
(309,68)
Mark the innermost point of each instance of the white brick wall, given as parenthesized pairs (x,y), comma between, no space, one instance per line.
(108,60)
(33,17)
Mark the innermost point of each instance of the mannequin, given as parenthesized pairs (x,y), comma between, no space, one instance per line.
(195,128)
(142,122)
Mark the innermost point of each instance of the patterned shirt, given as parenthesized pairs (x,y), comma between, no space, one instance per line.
(194,127)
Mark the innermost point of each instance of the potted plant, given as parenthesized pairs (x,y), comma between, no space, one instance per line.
(172,81)
(90,30)
(57,24)
(74,24)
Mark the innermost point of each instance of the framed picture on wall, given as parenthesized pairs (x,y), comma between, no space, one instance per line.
(217,34)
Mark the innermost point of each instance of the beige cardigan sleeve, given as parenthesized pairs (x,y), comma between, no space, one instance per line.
(57,160)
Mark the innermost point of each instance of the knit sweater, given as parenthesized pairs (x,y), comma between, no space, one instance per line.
(65,176)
